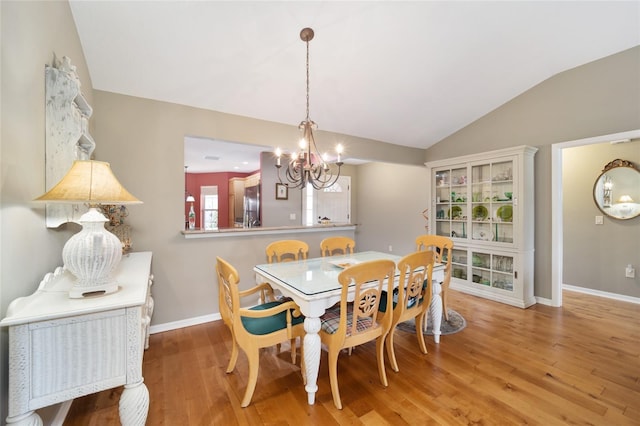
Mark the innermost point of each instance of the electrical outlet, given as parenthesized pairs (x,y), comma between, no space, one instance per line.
(599,220)
(292,216)
(630,272)
(390,248)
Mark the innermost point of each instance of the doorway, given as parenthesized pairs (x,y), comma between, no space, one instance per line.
(333,203)
(557,207)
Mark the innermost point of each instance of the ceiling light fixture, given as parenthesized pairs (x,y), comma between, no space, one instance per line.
(307,166)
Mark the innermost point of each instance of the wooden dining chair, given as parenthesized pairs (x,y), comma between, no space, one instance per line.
(287,250)
(442,248)
(411,299)
(337,245)
(332,246)
(260,326)
(352,324)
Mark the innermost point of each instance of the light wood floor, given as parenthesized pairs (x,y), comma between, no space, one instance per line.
(578,365)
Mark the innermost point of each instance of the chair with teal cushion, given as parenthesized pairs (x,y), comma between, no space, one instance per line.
(266,325)
(261,326)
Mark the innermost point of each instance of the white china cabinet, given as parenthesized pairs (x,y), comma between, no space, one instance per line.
(485,203)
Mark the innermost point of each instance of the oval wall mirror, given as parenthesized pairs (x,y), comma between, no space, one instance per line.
(616,191)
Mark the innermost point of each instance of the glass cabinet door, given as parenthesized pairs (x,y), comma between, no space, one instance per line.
(459,264)
(481,268)
(492,202)
(451,202)
(502,272)
(492,270)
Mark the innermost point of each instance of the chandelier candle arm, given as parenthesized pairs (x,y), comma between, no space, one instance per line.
(307,166)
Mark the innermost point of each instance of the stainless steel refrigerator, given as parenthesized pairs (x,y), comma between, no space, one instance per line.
(252,206)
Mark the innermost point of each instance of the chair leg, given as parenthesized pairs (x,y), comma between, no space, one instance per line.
(254,364)
(445,310)
(382,372)
(333,378)
(234,355)
(420,319)
(391,353)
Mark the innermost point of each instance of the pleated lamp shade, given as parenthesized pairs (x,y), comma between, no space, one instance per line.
(90,182)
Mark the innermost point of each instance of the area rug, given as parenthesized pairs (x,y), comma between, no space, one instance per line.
(456,323)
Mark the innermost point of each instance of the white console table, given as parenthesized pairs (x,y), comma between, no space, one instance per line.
(62,348)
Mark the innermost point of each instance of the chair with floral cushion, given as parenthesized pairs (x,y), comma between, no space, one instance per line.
(331,246)
(352,324)
(442,248)
(411,299)
(260,326)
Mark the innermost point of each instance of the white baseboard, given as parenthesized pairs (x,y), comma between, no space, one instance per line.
(159,328)
(544,301)
(601,293)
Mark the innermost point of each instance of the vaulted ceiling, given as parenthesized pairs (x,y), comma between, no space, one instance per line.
(407,73)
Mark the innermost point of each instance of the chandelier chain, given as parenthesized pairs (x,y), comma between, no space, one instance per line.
(307,42)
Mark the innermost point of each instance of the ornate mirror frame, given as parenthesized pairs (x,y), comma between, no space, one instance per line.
(616,191)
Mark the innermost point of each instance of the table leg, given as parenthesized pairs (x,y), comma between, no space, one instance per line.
(436,310)
(134,404)
(312,347)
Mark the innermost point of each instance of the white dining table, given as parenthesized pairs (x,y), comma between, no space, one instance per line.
(313,285)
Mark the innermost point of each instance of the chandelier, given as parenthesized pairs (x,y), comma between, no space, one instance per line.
(307,166)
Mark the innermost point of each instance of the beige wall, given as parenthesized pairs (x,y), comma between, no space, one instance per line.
(390,202)
(599,98)
(143,140)
(608,248)
(30,32)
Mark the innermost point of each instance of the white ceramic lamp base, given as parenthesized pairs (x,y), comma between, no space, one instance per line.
(92,256)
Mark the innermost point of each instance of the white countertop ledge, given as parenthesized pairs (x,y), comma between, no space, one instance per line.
(245,232)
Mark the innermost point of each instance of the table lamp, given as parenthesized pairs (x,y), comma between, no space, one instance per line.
(92,254)
(625,205)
